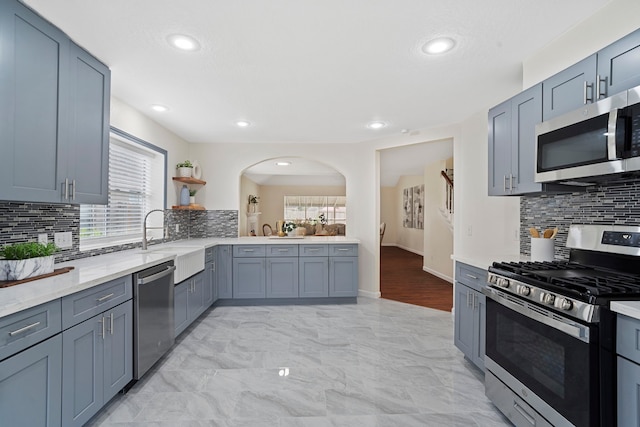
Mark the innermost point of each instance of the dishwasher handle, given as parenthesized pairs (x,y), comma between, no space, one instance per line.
(144,280)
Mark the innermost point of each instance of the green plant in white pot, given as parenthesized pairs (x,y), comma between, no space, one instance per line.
(23,260)
(185,169)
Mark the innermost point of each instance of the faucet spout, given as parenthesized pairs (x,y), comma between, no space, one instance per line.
(145,241)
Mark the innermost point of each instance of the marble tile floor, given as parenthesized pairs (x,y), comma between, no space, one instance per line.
(376,363)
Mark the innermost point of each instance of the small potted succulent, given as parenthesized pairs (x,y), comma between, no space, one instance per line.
(23,260)
(192,196)
(185,169)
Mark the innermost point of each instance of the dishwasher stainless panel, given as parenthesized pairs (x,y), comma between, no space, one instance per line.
(153,331)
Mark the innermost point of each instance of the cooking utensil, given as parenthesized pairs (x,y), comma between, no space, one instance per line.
(534,233)
(555,231)
(547,233)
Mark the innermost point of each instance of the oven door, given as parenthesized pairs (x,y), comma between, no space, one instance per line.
(536,352)
(582,144)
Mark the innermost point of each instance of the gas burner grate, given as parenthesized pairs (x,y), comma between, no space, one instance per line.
(616,284)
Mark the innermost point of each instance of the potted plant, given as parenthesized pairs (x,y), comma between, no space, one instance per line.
(288,227)
(23,260)
(185,169)
(192,196)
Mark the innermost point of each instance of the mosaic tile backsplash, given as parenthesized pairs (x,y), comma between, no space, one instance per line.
(22,222)
(615,203)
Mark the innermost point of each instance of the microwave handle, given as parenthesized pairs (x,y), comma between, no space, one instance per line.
(615,135)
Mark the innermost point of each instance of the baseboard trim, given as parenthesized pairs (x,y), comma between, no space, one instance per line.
(369,294)
(411,250)
(438,274)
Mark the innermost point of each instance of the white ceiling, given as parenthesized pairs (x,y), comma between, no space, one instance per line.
(411,160)
(312,71)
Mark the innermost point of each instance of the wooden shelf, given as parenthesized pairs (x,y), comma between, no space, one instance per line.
(189,208)
(189,180)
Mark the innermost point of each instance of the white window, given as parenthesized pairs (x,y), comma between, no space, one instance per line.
(304,208)
(136,185)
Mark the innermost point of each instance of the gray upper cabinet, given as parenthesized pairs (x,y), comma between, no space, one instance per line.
(46,79)
(611,70)
(512,144)
(569,89)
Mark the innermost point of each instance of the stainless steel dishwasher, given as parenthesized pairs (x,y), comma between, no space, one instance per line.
(153,321)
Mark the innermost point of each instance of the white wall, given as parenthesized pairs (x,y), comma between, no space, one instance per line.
(130,120)
(410,239)
(247,187)
(615,20)
(438,237)
(389,202)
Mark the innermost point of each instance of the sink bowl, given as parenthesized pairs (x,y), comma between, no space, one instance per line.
(189,260)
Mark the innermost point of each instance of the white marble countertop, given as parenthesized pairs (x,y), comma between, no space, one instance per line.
(484,261)
(92,271)
(628,308)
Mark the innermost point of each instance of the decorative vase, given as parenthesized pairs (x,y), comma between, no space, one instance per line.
(192,200)
(184,195)
(24,268)
(185,172)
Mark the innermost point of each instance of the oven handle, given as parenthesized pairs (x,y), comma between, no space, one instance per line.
(573,329)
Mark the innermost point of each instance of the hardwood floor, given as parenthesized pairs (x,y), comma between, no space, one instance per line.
(402,279)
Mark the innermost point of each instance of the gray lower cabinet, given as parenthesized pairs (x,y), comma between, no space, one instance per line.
(282,277)
(210,284)
(48,80)
(189,301)
(470,313)
(343,276)
(313,277)
(249,278)
(97,362)
(31,384)
(628,350)
(224,269)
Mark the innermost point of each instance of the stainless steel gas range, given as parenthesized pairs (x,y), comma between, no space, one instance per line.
(550,343)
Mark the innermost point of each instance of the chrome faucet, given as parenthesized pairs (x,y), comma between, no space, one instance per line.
(145,228)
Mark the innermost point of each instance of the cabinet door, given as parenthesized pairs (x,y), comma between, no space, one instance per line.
(343,276)
(249,278)
(628,393)
(88,156)
(118,355)
(196,296)
(33,81)
(619,65)
(464,320)
(209,279)
(282,277)
(480,320)
(526,112)
(499,149)
(30,385)
(82,371)
(224,272)
(569,89)
(313,279)
(180,306)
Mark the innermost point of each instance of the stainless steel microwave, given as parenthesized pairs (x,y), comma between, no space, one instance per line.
(592,143)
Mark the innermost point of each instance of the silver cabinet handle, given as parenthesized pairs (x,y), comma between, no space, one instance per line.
(343,250)
(248,250)
(475,301)
(111,323)
(471,276)
(511,177)
(283,250)
(66,188)
(24,329)
(73,189)
(148,279)
(504,183)
(469,299)
(102,323)
(524,414)
(106,297)
(600,82)
(585,98)
(313,250)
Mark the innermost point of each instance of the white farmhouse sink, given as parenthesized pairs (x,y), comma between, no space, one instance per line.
(189,260)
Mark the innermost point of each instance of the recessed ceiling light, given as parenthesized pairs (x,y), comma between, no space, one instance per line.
(439,45)
(243,123)
(159,108)
(183,42)
(376,125)
(283,163)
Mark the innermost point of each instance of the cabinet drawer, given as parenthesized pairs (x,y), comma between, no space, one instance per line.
(313,250)
(474,277)
(28,327)
(208,255)
(85,304)
(251,251)
(628,338)
(282,250)
(343,250)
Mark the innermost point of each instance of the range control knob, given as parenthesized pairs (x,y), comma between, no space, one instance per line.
(547,298)
(502,282)
(524,290)
(566,304)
